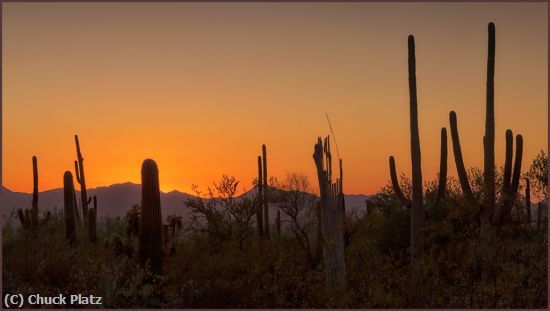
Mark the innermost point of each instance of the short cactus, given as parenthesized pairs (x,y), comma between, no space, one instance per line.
(150,234)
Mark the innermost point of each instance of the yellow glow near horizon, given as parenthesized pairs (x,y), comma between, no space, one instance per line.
(199,87)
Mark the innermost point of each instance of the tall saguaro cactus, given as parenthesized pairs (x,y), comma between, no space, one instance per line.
(489,145)
(79,173)
(150,235)
(259,207)
(417,202)
(417,207)
(265,194)
(332,218)
(68,211)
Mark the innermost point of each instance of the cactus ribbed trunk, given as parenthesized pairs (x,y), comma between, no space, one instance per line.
(260,207)
(265,193)
(68,211)
(489,145)
(150,235)
(80,177)
(331,220)
(442,186)
(92,227)
(417,207)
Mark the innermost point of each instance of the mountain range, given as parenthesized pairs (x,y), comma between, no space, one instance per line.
(117,199)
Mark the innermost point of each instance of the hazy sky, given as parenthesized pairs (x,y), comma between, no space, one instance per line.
(199,87)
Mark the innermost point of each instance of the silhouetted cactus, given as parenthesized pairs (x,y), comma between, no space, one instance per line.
(80,177)
(150,235)
(332,218)
(30,218)
(489,140)
(488,210)
(259,207)
(417,202)
(459,161)
(68,211)
(92,227)
(265,194)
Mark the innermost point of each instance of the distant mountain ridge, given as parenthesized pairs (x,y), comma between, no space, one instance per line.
(117,199)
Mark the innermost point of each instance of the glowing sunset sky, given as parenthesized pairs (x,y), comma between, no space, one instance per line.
(200,87)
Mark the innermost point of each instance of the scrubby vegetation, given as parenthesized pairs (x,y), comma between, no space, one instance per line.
(206,271)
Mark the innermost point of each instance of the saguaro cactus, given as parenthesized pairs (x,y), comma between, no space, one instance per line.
(259,207)
(332,222)
(150,235)
(29,218)
(488,210)
(489,145)
(417,201)
(265,193)
(68,188)
(92,227)
(79,173)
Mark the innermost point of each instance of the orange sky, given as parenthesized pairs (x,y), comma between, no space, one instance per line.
(199,87)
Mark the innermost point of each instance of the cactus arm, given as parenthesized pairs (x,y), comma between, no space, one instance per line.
(442,186)
(489,146)
(507,175)
(461,170)
(395,184)
(517,166)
